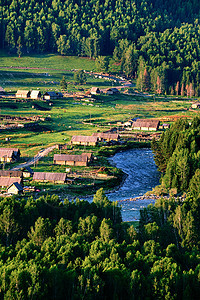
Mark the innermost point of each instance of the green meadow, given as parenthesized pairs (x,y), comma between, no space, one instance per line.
(71,116)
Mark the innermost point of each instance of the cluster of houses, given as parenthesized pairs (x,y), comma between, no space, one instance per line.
(143,124)
(37,95)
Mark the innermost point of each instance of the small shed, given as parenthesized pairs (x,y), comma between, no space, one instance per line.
(95,91)
(15,188)
(23,94)
(84,140)
(50,96)
(36,94)
(50,177)
(27,172)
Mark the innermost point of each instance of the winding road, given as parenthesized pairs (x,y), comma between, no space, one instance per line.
(34,159)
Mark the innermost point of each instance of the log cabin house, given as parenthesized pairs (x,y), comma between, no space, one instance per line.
(35,94)
(104,136)
(9,154)
(50,177)
(15,188)
(84,140)
(95,91)
(146,124)
(23,94)
(72,160)
(10,173)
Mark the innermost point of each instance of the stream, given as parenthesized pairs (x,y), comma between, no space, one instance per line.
(142,176)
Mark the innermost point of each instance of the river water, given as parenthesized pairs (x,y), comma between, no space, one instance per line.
(142,176)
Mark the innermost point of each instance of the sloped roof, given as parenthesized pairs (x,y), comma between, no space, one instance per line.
(35,94)
(84,138)
(7,181)
(106,136)
(17,185)
(8,151)
(49,176)
(146,123)
(65,157)
(51,94)
(22,93)
(9,173)
(94,90)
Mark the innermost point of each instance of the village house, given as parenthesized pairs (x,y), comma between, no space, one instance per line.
(23,94)
(146,124)
(72,160)
(84,140)
(104,136)
(112,91)
(36,95)
(95,91)
(50,177)
(15,188)
(195,105)
(9,154)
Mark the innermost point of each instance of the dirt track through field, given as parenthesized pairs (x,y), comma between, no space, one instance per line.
(34,159)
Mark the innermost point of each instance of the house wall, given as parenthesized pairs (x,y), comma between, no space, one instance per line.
(13,190)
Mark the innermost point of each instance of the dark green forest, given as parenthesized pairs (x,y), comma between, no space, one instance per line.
(80,250)
(177,155)
(157,42)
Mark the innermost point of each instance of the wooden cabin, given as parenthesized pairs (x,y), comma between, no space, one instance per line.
(9,154)
(50,177)
(84,140)
(146,124)
(50,96)
(72,160)
(104,136)
(10,173)
(95,91)
(23,94)
(36,95)
(15,188)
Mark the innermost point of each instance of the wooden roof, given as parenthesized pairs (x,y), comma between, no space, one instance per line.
(7,181)
(51,94)
(146,123)
(105,135)
(9,173)
(8,152)
(94,90)
(49,176)
(23,93)
(66,157)
(17,185)
(84,138)
(35,94)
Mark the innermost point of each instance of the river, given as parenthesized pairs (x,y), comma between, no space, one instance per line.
(142,176)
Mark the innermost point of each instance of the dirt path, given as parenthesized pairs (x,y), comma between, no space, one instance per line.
(34,159)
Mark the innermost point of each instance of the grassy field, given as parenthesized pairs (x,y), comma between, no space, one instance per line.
(70,116)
